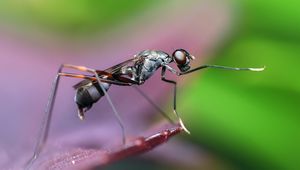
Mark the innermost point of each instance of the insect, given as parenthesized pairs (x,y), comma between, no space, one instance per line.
(132,72)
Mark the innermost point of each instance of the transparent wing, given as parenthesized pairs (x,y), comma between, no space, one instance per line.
(117,68)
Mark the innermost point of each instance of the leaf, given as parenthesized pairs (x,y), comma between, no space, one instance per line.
(81,158)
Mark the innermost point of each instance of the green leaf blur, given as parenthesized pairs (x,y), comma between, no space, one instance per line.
(252,118)
(72,18)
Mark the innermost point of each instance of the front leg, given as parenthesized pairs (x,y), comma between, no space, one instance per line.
(163,75)
(220,67)
(212,66)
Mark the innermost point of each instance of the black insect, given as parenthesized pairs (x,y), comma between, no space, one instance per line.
(132,72)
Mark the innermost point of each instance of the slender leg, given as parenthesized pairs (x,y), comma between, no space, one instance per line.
(163,73)
(221,67)
(117,115)
(95,72)
(44,128)
(94,78)
(153,104)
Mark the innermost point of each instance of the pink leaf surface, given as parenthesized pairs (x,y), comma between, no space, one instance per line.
(81,158)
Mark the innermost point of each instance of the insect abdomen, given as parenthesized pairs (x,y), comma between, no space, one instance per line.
(89,94)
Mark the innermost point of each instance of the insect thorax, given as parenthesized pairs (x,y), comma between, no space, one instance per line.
(148,62)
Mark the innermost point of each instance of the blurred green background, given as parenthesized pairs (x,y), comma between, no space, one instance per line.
(71,18)
(246,120)
(253,119)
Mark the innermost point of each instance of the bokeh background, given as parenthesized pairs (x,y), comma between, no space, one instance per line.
(238,120)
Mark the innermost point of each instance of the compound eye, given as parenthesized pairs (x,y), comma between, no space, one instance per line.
(180,57)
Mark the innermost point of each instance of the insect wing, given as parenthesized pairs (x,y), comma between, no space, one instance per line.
(117,68)
(112,70)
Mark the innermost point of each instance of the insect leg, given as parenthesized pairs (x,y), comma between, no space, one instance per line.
(222,67)
(153,104)
(94,78)
(44,128)
(163,74)
(117,115)
(96,72)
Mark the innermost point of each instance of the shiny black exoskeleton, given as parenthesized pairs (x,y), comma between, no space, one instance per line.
(88,94)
